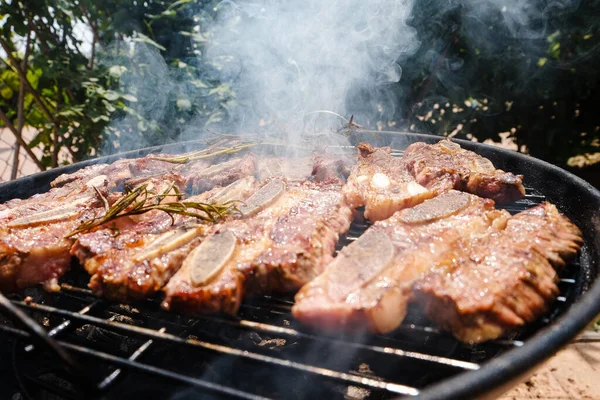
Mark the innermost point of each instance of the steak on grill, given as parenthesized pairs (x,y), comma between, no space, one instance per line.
(119,172)
(202,176)
(33,247)
(445,165)
(484,287)
(279,249)
(368,285)
(382,184)
(136,257)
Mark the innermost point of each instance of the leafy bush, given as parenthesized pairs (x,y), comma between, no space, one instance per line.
(144,79)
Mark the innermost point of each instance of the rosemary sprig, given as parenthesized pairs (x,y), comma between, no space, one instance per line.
(206,153)
(140,200)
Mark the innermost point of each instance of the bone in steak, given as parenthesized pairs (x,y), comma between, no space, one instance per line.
(382,184)
(136,257)
(33,247)
(485,287)
(368,285)
(202,176)
(445,165)
(119,172)
(279,248)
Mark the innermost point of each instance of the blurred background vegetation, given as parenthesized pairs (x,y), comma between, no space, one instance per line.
(69,69)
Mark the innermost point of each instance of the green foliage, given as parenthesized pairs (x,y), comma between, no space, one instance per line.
(538,82)
(103,100)
(146,81)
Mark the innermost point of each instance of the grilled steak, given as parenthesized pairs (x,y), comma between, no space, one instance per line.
(319,167)
(382,184)
(119,172)
(445,165)
(202,176)
(488,286)
(136,257)
(280,248)
(33,247)
(368,285)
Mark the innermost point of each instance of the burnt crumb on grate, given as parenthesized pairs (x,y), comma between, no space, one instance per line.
(110,338)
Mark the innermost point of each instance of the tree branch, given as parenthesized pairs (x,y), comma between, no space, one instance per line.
(20,110)
(11,127)
(30,89)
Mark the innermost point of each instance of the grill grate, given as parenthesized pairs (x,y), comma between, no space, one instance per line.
(263,353)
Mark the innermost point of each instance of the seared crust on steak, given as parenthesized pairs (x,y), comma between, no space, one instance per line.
(367,286)
(381,183)
(445,165)
(491,285)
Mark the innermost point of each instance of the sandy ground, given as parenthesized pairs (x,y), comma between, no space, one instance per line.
(573,373)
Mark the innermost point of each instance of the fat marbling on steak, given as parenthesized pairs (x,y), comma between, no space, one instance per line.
(489,285)
(445,165)
(368,285)
(277,248)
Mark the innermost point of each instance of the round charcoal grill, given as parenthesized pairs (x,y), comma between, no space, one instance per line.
(70,344)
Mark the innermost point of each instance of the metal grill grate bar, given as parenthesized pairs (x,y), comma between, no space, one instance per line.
(124,362)
(286,305)
(163,336)
(378,349)
(106,382)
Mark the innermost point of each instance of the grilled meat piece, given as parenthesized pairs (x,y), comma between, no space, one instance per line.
(119,172)
(445,165)
(137,256)
(368,285)
(301,241)
(202,176)
(280,248)
(382,184)
(33,247)
(292,169)
(320,167)
(486,287)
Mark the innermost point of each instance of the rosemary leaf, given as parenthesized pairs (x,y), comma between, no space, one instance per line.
(140,200)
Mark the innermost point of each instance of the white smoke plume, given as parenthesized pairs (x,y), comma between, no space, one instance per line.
(288,61)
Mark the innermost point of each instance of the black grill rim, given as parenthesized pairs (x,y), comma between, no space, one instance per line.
(504,370)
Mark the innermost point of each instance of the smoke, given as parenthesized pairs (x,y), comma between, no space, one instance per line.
(302,67)
(290,61)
